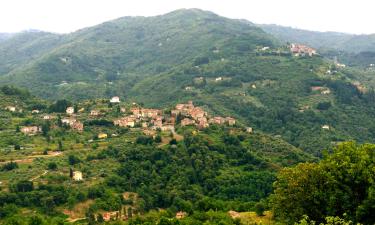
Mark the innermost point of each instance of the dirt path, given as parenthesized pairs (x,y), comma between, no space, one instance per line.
(34,178)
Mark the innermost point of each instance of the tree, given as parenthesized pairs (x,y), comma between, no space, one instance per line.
(46,128)
(73,160)
(9,166)
(259,209)
(157,139)
(71,173)
(52,166)
(173,142)
(342,183)
(24,186)
(60,147)
(60,106)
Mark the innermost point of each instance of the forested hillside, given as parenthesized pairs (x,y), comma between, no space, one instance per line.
(197,55)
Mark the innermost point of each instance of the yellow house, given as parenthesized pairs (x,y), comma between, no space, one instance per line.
(102,136)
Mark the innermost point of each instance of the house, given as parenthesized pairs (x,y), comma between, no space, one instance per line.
(10,108)
(249,129)
(217,120)
(102,135)
(188,88)
(77,126)
(107,216)
(31,130)
(115,99)
(151,113)
(128,121)
(70,110)
(302,50)
(265,48)
(230,121)
(317,88)
(326,92)
(158,121)
(218,79)
(197,113)
(326,127)
(35,111)
(340,65)
(123,110)
(77,176)
(136,111)
(95,112)
(68,121)
(187,122)
(47,117)
(73,123)
(203,123)
(167,127)
(181,215)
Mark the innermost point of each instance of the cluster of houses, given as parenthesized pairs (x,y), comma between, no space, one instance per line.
(31,130)
(198,117)
(147,118)
(302,50)
(73,123)
(154,118)
(187,114)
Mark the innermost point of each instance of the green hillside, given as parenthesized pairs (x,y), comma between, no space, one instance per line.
(20,49)
(128,49)
(214,61)
(221,167)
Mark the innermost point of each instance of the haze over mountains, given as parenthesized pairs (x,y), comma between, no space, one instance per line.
(218,62)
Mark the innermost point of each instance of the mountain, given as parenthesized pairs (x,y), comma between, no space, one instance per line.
(21,48)
(132,47)
(229,67)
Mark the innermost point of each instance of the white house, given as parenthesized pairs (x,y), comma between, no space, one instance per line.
(77,175)
(11,108)
(115,99)
(70,110)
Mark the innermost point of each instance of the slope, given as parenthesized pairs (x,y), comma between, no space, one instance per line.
(131,48)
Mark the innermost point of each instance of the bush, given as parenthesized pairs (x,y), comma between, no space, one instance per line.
(144,140)
(9,166)
(259,209)
(52,166)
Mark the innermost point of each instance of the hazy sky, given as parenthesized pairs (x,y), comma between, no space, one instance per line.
(351,16)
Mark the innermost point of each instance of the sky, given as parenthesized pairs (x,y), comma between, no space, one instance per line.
(349,16)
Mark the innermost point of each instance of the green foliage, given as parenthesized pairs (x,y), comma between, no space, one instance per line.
(60,106)
(52,166)
(259,208)
(9,166)
(340,184)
